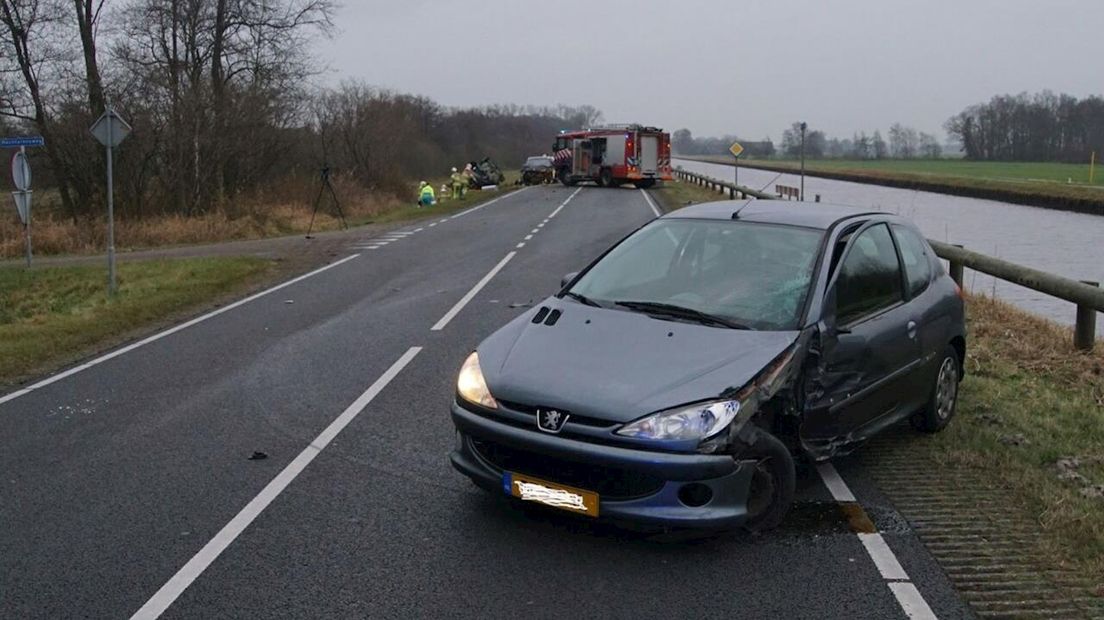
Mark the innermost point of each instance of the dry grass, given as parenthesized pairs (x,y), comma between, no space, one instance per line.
(677,194)
(1030,399)
(282,210)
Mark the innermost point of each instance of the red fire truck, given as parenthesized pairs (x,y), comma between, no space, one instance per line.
(613,155)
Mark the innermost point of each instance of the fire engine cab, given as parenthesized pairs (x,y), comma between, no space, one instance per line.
(613,155)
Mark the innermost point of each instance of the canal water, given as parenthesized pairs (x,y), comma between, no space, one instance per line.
(1059,242)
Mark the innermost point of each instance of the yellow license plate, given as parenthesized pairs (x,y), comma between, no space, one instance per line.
(552,494)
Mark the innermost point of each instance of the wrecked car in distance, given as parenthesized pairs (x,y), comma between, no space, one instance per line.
(674,380)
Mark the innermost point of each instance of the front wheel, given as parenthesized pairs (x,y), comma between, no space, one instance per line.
(942,396)
(565,177)
(771,492)
(605,178)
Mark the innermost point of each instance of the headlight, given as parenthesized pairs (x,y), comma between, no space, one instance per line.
(699,421)
(471,386)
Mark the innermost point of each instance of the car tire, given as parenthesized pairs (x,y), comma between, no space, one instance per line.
(605,178)
(942,396)
(771,492)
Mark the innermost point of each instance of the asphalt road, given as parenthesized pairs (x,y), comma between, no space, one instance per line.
(128,485)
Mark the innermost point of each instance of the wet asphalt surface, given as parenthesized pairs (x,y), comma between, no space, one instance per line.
(115,477)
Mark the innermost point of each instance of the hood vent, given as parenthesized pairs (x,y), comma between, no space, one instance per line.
(546,316)
(539,316)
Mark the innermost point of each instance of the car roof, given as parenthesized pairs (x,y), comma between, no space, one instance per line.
(819,215)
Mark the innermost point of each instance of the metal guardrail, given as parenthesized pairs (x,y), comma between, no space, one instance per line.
(1088,296)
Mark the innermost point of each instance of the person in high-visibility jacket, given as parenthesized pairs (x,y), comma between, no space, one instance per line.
(459,183)
(426,197)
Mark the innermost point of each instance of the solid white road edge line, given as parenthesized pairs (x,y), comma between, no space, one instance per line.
(472,293)
(883,557)
(183,578)
(836,486)
(564,203)
(907,595)
(167,332)
(914,605)
(651,204)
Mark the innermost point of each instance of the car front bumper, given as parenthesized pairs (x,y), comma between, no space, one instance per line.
(658,505)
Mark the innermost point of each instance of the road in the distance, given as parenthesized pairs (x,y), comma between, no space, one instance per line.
(118,477)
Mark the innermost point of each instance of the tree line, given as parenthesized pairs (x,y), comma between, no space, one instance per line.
(222,100)
(1040,127)
(904,143)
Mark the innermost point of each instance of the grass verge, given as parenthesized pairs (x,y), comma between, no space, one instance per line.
(677,194)
(1040,184)
(1030,401)
(53,316)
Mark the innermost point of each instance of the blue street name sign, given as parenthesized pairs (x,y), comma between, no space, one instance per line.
(8,143)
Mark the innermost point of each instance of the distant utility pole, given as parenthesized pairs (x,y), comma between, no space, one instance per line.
(803,126)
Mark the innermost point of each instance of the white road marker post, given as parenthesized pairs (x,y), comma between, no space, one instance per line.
(110,130)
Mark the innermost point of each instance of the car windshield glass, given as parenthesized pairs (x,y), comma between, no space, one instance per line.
(748,274)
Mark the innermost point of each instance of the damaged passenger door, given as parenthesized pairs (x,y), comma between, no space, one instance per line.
(868,349)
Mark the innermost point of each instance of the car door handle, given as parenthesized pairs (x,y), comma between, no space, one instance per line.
(912,330)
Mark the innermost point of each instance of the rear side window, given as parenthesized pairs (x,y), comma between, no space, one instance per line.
(870,276)
(915,255)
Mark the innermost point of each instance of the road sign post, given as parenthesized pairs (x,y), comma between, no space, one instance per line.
(21,180)
(110,130)
(736,149)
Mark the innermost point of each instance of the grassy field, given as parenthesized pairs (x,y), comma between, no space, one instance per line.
(53,316)
(1043,184)
(677,194)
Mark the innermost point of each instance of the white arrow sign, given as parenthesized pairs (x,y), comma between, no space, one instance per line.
(23,205)
(21,171)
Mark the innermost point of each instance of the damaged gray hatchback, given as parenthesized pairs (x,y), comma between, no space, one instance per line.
(673,381)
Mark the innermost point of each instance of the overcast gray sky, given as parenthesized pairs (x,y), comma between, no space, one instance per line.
(747,67)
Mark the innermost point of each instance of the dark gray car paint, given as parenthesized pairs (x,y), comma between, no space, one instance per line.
(618,365)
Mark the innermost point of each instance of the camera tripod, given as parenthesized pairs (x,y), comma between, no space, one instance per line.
(326,185)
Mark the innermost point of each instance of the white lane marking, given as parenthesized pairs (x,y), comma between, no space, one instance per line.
(540,225)
(912,602)
(528,237)
(433,224)
(419,229)
(564,203)
(488,203)
(396,235)
(472,293)
(534,231)
(889,567)
(167,332)
(651,204)
(883,557)
(442,221)
(836,486)
(520,245)
(211,551)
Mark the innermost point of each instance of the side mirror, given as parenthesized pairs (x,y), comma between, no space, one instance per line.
(828,316)
(568,278)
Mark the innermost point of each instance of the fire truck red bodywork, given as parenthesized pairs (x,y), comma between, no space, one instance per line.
(614,155)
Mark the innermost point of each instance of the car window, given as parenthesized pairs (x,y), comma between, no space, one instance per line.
(915,255)
(754,274)
(870,276)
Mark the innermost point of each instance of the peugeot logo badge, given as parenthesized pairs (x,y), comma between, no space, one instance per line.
(550,420)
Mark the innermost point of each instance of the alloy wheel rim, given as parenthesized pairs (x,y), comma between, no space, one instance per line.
(946,388)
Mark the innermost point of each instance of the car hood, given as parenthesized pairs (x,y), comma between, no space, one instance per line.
(618,365)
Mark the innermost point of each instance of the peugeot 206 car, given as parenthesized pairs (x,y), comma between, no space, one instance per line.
(674,380)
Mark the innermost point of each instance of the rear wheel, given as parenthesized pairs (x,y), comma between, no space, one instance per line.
(772,483)
(565,177)
(943,395)
(605,178)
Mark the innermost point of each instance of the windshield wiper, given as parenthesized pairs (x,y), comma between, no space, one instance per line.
(582,299)
(680,312)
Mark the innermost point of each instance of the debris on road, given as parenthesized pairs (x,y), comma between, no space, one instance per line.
(258,456)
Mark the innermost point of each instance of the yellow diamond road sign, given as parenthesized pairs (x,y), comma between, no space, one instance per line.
(736,149)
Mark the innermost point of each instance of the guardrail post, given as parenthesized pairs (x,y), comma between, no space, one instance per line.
(956,270)
(1084,330)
